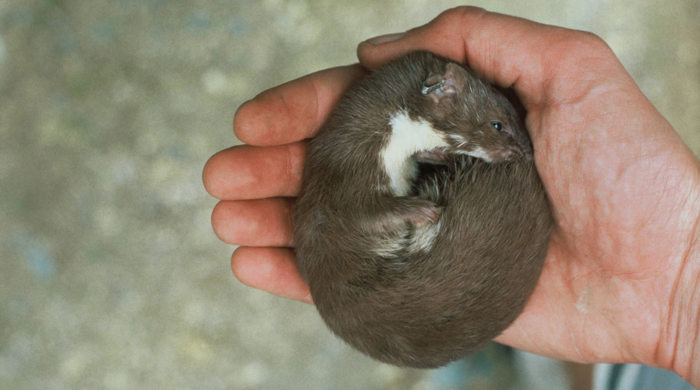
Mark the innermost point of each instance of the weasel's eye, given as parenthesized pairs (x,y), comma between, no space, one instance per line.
(497,125)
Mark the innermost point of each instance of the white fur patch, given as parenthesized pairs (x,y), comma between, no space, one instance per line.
(458,139)
(397,244)
(407,138)
(424,237)
(390,247)
(478,152)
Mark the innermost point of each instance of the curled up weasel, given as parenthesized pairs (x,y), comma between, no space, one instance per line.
(422,224)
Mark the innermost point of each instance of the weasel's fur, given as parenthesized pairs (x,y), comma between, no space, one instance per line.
(421,228)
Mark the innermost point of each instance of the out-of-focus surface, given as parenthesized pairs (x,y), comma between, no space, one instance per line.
(110,275)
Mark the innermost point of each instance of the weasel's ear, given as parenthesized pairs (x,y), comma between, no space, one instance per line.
(433,156)
(439,86)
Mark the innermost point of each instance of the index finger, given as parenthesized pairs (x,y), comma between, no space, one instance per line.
(294,110)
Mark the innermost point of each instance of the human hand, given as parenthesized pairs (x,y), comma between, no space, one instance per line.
(620,278)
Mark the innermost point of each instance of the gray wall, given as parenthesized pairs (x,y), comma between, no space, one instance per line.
(110,275)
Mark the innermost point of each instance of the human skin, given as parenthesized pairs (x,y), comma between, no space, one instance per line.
(621,281)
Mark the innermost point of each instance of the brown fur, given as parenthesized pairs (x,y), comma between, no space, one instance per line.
(353,237)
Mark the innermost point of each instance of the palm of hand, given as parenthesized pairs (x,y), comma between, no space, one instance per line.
(612,248)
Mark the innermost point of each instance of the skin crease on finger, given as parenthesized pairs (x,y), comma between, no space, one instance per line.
(590,283)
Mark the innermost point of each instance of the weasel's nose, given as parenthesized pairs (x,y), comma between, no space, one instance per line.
(526,146)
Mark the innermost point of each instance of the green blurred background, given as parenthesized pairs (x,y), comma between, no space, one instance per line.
(110,274)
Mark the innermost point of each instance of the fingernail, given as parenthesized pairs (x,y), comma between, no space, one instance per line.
(382,39)
(308,299)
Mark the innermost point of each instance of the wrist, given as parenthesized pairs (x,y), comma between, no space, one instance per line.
(683,329)
(690,369)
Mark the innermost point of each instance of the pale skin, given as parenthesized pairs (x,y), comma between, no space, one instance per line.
(621,281)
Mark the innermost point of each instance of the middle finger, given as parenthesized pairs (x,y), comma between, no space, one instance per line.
(250,172)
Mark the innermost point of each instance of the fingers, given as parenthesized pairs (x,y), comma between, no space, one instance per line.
(272,270)
(295,110)
(263,222)
(249,172)
(507,50)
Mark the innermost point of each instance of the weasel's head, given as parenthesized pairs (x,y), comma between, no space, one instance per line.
(477,120)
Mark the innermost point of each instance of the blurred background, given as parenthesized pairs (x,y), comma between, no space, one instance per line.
(110,274)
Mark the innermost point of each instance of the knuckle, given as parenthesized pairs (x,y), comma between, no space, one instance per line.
(590,41)
(457,15)
(573,52)
(586,43)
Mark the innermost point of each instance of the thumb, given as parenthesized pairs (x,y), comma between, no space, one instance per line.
(509,51)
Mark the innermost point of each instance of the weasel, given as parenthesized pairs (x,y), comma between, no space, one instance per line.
(422,225)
